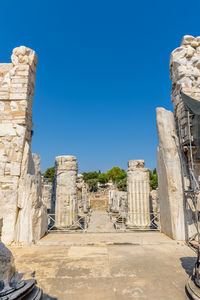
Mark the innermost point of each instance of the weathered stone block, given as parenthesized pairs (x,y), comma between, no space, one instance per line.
(169,177)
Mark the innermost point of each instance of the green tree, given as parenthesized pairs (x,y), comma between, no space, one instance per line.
(121,176)
(103,178)
(154,171)
(49,173)
(114,173)
(93,184)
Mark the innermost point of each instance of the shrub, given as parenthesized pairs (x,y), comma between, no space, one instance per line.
(153,179)
(121,185)
(93,184)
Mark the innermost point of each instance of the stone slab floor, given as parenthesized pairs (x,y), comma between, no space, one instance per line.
(141,265)
(100,222)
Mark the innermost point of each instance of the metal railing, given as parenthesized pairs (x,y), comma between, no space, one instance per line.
(136,221)
(80,224)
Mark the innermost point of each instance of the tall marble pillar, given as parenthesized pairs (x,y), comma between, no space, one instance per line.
(138,214)
(66,207)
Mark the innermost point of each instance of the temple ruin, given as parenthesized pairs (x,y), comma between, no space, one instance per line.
(21,208)
(31,206)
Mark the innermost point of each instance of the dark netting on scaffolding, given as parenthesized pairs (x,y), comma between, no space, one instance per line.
(193,106)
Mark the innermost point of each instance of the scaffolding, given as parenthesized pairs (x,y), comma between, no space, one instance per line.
(188,165)
(188,169)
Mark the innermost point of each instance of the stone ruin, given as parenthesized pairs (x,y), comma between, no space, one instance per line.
(25,196)
(47,194)
(82,187)
(21,208)
(117,201)
(11,284)
(66,201)
(138,208)
(178,152)
(138,193)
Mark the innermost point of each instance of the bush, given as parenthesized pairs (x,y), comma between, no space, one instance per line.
(153,179)
(49,173)
(121,185)
(93,184)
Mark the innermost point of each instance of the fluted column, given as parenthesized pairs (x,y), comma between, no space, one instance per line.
(138,195)
(66,208)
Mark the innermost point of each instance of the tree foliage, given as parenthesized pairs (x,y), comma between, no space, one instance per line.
(114,173)
(121,176)
(153,179)
(103,178)
(49,173)
(90,175)
(93,184)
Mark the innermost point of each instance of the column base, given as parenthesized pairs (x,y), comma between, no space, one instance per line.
(193,291)
(136,227)
(25,290)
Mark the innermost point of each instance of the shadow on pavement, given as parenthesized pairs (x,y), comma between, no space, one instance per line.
(188,264)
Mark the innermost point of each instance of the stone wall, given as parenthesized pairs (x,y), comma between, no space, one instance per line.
(185,76)
(66,202)
(138,195)
(17,81)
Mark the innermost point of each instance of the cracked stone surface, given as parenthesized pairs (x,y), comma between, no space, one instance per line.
(153,267)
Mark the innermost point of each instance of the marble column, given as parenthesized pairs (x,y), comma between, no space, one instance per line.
(138,214)
(66,199)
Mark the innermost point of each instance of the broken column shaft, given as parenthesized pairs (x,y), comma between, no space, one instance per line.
(138,195)
(66,191)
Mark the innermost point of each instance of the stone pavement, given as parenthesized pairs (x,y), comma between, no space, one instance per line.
(100,222)
(112,266)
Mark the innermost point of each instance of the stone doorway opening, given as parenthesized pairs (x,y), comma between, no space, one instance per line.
(75,208)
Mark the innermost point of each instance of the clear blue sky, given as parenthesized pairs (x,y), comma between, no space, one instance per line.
(103,68)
